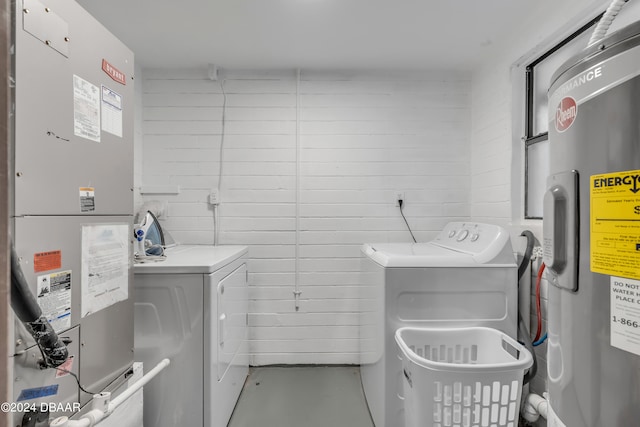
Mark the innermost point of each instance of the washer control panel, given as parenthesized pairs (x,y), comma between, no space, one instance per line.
(471,237)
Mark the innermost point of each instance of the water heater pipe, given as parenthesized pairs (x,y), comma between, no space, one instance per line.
(96,415)
(605,22)
(534,407)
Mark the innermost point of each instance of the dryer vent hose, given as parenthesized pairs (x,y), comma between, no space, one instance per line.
(26,307)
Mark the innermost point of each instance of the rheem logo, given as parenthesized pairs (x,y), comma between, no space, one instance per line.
(566,113)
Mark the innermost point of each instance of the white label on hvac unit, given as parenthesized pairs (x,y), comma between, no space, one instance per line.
(105,266)
(111,112)
(54,299)
(625,314)
(87,199)
(86,109)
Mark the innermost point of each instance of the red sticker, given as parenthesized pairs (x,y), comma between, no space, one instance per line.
(113,72)
(566,113)
(64,369)
(45,261)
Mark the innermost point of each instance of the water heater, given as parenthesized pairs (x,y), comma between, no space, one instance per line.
(592,236)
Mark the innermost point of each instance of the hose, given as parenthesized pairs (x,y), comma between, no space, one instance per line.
(538,305)
(605,22)
(526,258)
(522,327)
(529,346)
(24,304)
(540,341)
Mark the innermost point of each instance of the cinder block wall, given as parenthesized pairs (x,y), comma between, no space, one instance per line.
(311,171)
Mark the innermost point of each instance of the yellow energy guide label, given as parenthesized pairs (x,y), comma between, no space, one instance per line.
(615,224)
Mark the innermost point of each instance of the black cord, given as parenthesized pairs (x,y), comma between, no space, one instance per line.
(400,203)
(76,378)
(63,370)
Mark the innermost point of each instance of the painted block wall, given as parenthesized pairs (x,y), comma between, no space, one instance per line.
(311,171)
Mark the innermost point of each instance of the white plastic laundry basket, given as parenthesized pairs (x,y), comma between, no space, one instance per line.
(461,377)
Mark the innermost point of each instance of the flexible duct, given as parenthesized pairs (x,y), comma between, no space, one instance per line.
(24,304)
(605,22)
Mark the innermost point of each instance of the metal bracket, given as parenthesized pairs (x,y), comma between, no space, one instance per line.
(45,25)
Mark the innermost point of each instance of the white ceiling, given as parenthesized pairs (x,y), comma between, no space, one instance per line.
(319,34)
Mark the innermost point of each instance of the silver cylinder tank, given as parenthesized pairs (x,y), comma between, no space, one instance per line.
(592,236)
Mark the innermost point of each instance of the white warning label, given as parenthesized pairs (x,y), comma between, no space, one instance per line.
(54,298)
(86,109)
(625,314)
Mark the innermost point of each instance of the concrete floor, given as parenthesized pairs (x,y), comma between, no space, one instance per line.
(307,396)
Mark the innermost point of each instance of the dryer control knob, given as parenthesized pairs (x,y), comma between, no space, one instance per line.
(474,237)
(462,235)
(452,233)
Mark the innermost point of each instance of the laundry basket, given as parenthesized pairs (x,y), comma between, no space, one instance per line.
(461,377)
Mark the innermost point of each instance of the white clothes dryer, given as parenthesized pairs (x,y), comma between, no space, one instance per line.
(466,276)
(192,308)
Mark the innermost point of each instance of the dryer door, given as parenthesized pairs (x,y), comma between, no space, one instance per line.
(232,308)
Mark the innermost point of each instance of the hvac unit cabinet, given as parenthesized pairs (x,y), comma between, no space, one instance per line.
(72,196)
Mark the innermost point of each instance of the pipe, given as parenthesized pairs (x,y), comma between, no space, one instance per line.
(296,290)
(534,407)
(605,22)
(25,306)
(95,416)
(137,385)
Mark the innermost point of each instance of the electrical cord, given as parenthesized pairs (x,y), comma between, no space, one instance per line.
(76,378)
(400,203)
(57,368)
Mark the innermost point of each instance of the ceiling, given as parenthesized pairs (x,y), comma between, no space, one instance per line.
(318,34)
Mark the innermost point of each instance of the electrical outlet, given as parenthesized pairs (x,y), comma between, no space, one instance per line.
(214,196)
(399,196)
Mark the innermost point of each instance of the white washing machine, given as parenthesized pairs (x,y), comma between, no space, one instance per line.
(192,308)
(466,276)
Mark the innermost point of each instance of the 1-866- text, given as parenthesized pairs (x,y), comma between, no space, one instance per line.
(626,322)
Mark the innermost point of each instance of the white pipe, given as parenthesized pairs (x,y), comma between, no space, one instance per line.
(94,416)
(296,291)
(605,22)
(534,407)
(119,400)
